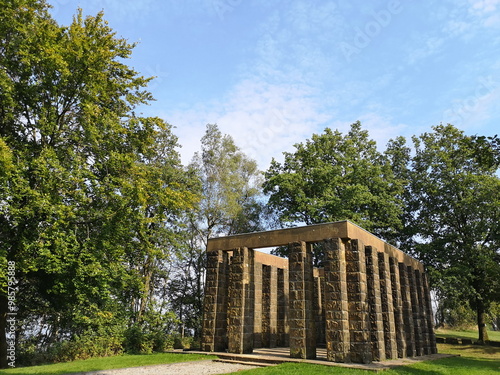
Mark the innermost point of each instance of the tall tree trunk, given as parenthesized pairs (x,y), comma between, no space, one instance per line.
(3,326)
(481,322)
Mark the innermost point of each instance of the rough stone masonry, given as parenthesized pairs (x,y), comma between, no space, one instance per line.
(369,301)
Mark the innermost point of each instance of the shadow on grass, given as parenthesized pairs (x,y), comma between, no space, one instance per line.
(458,335)
(482,351)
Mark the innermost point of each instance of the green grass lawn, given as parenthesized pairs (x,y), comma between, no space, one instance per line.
(473,360)
(466,334)
(107,363)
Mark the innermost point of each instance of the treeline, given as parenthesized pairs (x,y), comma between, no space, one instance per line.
(103,230)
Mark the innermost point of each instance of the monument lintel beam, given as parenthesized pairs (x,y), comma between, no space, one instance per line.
(310,234)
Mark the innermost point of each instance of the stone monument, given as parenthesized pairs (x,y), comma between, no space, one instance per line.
(369,301)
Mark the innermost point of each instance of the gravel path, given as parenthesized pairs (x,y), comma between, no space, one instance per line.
(183,368)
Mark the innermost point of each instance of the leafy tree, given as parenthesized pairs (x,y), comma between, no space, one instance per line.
(334,177)
(230,186)
(89,191)
(454,208)
(486,149)
(399,156)
(231,203)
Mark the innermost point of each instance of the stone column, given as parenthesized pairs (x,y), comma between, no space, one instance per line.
(215,302)
(241,302)
(269,306)
(391,348)
(407,311)
(423,314)
(398,308)
(415,307)
(257,331)
(301,316)
(430,315)
(359,328)
(283,331)
(374,304)
(335,305)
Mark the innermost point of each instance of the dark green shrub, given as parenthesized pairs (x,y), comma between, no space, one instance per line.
(162,342)
(137,341)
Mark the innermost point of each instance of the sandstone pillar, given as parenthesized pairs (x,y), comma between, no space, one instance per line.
(215,302)
(301,314)
(336,304)
(241,302)
(359,331)
(415,307)
(391,348)
(407,311)
(398,308)
(374,304)
(425,345)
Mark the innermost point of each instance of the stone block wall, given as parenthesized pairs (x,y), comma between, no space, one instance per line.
(367,304)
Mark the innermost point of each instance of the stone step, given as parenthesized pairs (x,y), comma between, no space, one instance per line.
(244,362)
(245,358)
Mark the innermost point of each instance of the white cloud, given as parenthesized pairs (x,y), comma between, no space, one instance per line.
(431,45)
(477,108)
(268,119)
(486,12)
(485,6)
(381,129)
(264,119)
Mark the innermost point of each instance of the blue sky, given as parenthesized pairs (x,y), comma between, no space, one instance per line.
(271,72)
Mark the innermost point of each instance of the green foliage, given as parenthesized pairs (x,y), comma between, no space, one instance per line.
(137,341)
(103,342)
(230,186)
(458,316)
(186,342)
(334,177)
(494,316)
(231,202)
(89,344)
(91,194)
(453,205)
